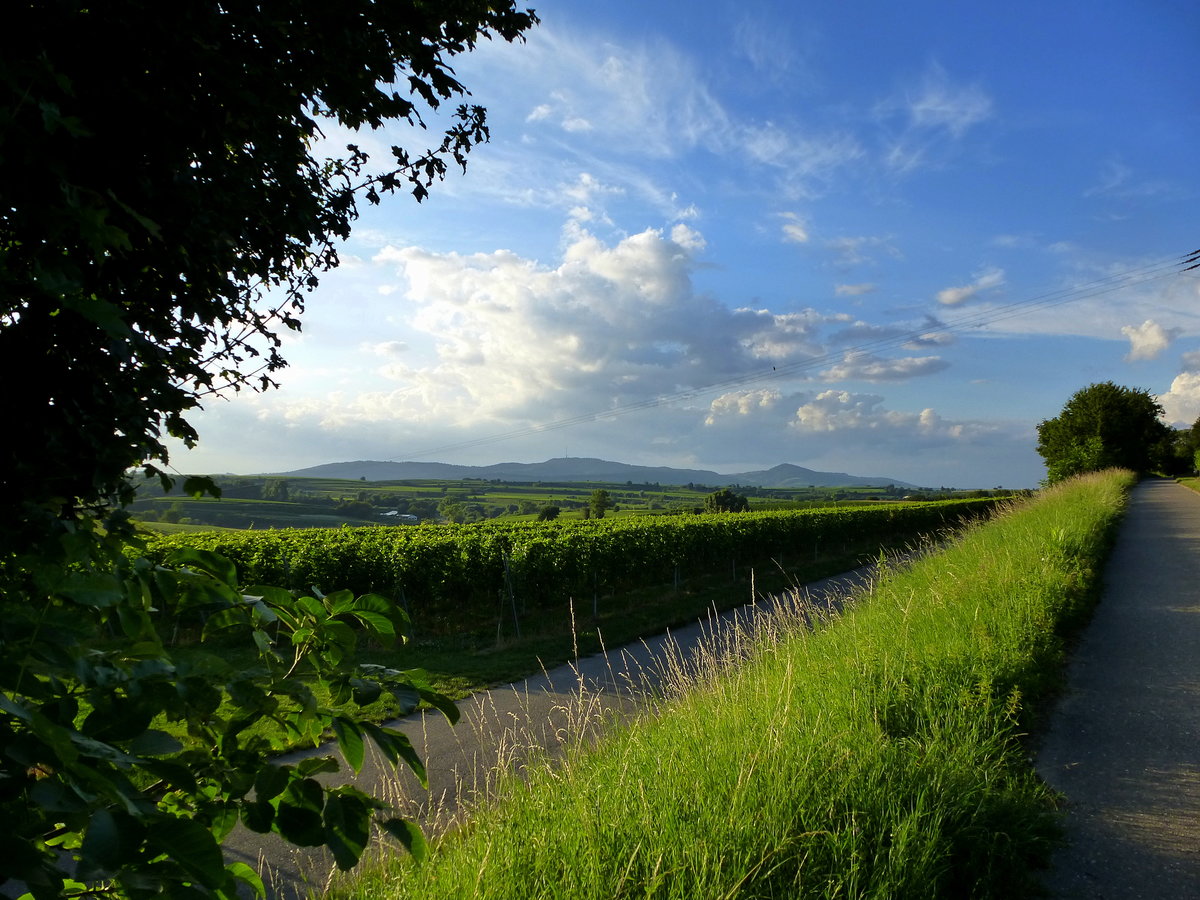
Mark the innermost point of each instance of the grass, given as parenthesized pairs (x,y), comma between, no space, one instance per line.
(462,664)
(875,753)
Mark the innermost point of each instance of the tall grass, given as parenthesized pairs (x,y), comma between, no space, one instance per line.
(876,752)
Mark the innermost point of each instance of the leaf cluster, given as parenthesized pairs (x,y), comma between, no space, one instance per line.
(166,204)
(97,796)
(1103,426)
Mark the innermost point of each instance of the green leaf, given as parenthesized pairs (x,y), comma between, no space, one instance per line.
(247,876)
(441,702)
(315,765)
(93,589)
(365,691)
(258,816)
(199,485)
(409,835)
(406,695)
(271,781)
(101,849)
(377,623)
(396,747)
(214,564)
(350,739)
(298,816)
(192,846)
(347,829)
(339,602)
(155,743)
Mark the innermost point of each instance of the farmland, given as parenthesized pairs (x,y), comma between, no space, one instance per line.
(277,502)
(451,578)
(875,753)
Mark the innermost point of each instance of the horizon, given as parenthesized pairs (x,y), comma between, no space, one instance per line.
(728,234)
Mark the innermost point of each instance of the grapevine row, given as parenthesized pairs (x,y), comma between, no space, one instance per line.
(449,574)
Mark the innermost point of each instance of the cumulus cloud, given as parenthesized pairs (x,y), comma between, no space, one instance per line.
(1148,340)
(842,411)
(857,366)
(1181,403)
(611,324)
(988,279)
(740,404)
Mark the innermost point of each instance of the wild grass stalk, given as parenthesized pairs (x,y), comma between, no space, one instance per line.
(875,752)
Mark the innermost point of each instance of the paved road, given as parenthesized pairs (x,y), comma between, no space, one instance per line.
(499,726)
(1124,743)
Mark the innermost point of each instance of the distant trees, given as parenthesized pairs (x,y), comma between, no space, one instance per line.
(275,489)
(1101,426)
(548,513)
(599,503)
(725,500)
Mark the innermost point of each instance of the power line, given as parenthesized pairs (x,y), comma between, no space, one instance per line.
(1048,300)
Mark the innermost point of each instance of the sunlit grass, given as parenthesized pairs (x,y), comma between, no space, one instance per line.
(875,753)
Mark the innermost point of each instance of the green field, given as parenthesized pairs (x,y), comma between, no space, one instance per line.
(878,753)
(267,502)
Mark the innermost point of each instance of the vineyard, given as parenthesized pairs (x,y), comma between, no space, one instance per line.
(451,577)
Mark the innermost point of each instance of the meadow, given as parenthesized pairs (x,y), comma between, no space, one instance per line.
(881,751)
(258,502)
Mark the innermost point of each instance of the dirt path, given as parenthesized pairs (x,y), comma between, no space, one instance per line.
(1124,743)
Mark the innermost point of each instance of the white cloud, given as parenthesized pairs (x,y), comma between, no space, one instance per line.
(841,411)
(854,290)
(688,238)
(940,104)
(934,116)
(988,279)
(386,348)
(930,339)
(740,404)
(858,366)
(611,324)
(795,229)
(853,251)
(1181,403)
(1148,340)
(1117,180)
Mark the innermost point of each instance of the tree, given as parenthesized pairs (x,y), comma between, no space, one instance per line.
(725,500)
(599,503)
(548,513)
(1101,426)
(164,211)
(275,489)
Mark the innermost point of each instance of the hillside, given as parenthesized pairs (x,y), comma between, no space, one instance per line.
(576,469)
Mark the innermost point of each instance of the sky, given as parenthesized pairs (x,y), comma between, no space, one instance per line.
(874,238)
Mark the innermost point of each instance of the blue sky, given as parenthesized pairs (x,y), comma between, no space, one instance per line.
(884,239)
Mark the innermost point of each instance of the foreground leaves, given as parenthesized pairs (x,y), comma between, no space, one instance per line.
(122,768)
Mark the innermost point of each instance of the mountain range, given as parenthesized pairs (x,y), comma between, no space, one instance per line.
(576,469)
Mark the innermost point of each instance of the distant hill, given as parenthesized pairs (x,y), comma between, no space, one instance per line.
(575,469)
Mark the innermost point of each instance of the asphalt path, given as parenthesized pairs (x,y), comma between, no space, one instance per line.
(498,729)
(1123,745)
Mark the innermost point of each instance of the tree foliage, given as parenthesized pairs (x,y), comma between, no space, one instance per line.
(599,503)
(725,500)
(165,206)
(166,203)
(1102,426)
